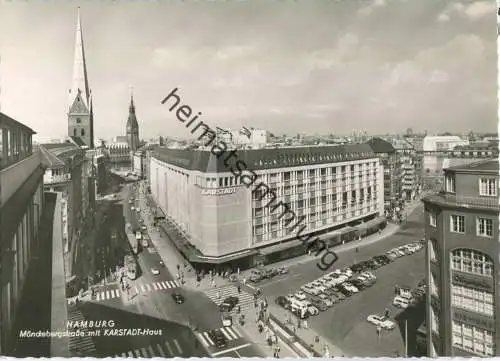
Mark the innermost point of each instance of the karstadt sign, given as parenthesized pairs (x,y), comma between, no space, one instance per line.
(218,192)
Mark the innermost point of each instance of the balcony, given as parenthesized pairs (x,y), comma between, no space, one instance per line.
(453,200)
(12,177)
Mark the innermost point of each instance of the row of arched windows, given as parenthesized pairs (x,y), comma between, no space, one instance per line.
(467,260)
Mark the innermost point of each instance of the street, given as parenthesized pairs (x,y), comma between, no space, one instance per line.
(345,323)
(149,304)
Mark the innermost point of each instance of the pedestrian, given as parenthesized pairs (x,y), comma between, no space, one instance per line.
(379,331)
(238,271)
(255,303)
(309,252)
(396,290)
(386,313)
(239,289)
(218,295)
(305,324)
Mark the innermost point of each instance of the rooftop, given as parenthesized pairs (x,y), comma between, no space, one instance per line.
(56,155)
(6,120)
(257,159)
(490,166)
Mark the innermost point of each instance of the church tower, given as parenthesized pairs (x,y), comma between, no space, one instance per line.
(80,112)
(132,127)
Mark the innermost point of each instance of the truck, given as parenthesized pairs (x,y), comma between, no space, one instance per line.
(131,266)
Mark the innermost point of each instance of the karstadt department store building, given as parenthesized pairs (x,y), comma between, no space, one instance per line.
(338,189)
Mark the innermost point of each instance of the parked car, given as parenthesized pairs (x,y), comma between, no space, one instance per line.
(319,304)
(402,302)
(379,320)
(300,295)
(312,291)
(283,302)
(325,299)
(283,270)
(339,295)
(312,310)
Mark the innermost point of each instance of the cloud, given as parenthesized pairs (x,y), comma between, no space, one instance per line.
(473,11)
(367,10)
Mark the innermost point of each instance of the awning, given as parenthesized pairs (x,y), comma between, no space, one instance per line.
(336,233)
(371,223)
(280,247)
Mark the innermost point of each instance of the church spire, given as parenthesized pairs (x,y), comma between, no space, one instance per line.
(132,106)
(80,82)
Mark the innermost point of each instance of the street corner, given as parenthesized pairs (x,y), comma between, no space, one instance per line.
(362,340)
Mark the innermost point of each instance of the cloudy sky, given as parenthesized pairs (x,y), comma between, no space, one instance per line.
(324,66)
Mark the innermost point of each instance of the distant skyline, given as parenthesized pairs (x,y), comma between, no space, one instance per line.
(289,67)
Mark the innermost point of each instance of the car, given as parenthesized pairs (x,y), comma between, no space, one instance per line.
(130,201)
(178,298)
(283,270)
(313,311)
(325,299)
(218,338)
(305,288)
(283,302)
(300,296)
(402,302)
(379,320)
(155,271)
(145,243)
(144,228)
(231,302)
(346,292)
(319,304)
(162,264)
(138,209)
(132,208)
(339,296)
(227,320)
(391,255)
(312,291)
(350,287)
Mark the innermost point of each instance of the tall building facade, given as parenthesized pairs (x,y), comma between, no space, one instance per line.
(333,188)
(80,110)
(463,263)
(132,128)
(68,171)
(393,173)
(21,207)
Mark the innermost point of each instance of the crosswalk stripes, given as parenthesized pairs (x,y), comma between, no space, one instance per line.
(246,300)
(79,345)
(230,333)
(165,349)
(156,286)
(113,293)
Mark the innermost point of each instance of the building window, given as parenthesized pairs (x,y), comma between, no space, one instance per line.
(450,183)
(469,261)
(83,132)
(457,223)
(487,187)
(74,132)
(473,339)
(472,299)
(485,227)
(78,120)
(432,219)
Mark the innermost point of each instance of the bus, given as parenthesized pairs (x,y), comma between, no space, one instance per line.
(131,266)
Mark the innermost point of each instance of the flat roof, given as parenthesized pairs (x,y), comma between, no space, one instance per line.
(259,159)
(489,165)
(5,119)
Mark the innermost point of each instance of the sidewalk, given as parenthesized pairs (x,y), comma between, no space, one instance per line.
(389,230)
